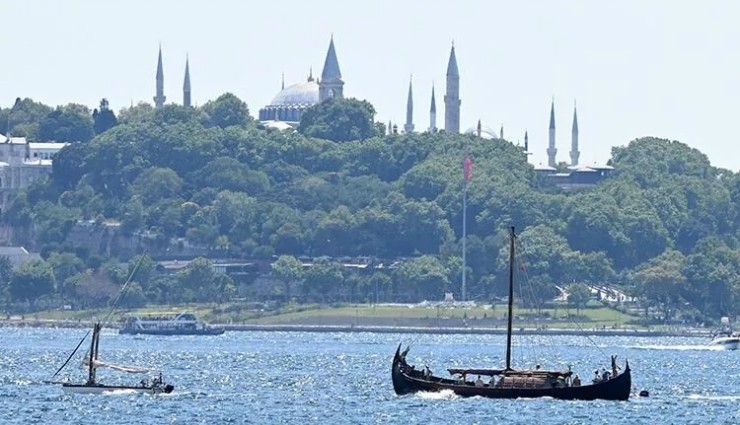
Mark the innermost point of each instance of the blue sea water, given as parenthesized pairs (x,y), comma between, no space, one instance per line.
(344,378)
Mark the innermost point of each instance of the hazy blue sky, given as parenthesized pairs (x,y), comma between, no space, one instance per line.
(636,68)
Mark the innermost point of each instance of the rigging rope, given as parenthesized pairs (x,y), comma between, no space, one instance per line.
(110,313)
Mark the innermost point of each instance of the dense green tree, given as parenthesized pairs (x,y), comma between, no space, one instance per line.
(69,123)
(288,270)
(578,295)
(197,281)
(421,278)
(339,120)
(103,118)
(156,184)
(227,110)
(23,118)
(31,280)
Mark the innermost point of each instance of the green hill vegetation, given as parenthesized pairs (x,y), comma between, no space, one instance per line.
(664,227)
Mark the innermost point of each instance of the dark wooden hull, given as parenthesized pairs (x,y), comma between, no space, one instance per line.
(407,380)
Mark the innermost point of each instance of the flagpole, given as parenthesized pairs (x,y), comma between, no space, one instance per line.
(464,235)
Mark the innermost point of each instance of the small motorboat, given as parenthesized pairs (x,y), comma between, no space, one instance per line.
(725,337)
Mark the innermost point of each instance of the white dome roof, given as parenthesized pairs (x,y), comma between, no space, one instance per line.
(303,94)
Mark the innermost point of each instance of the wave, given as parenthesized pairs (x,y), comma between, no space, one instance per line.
(677,347)
(440,395)
(713,397)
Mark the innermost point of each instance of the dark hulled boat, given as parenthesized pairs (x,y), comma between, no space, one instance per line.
(509,382)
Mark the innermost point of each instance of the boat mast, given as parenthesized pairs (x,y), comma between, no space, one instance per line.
(511,298)
(93,354)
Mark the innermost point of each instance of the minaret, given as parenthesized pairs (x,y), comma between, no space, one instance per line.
(390,127)
(160,98)
(479,129)
(526,142)
(186,84)
(331,84)
(409,126)
(433,114)
(452,97)
(574,153)
(551,150)
(501,132)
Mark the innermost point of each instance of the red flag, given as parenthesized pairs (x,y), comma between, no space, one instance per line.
(467,168)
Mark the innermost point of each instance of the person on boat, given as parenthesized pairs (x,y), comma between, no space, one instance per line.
(492,381)
(478,382)
(537,367)
(427,372)
(615,368)
(576,381)
(597,377)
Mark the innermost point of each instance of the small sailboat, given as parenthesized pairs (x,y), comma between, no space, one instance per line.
(509,382)
(92,361)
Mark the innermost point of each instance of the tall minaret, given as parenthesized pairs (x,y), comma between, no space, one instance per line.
(526,141)
(574,152)
(331,84)
(433,114)
(479,129)
(186,84)
(409,126)
(551,150)
(159,98)
(452,97)
(501,132)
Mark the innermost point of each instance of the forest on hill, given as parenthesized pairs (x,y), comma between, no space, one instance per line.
(665,226)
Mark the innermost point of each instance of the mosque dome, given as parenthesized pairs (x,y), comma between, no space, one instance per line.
(301,94)
(485,132)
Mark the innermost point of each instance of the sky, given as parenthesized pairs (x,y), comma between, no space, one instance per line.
(667,69)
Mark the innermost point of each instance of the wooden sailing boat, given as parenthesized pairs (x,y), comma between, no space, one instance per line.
(509,382)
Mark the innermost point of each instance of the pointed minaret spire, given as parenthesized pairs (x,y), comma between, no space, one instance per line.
(551,150)
(574,152)
(452,97)
(310,74)
(479,129)
(409,126)
(501,132)
(186,84)
(282,81)
(526,142)
(331,84)
(433,114)
(390,127)
(160,98)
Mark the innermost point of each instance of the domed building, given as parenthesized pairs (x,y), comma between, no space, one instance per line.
(290,103)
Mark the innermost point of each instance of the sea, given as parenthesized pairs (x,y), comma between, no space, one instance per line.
(344,378)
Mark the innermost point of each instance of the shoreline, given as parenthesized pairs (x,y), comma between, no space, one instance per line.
(441,330)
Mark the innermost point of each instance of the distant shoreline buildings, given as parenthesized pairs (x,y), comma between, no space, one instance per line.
(287,107)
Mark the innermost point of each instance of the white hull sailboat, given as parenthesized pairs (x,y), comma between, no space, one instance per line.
(92,362)
(100,389)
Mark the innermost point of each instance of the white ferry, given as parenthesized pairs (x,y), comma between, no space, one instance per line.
(179,324)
